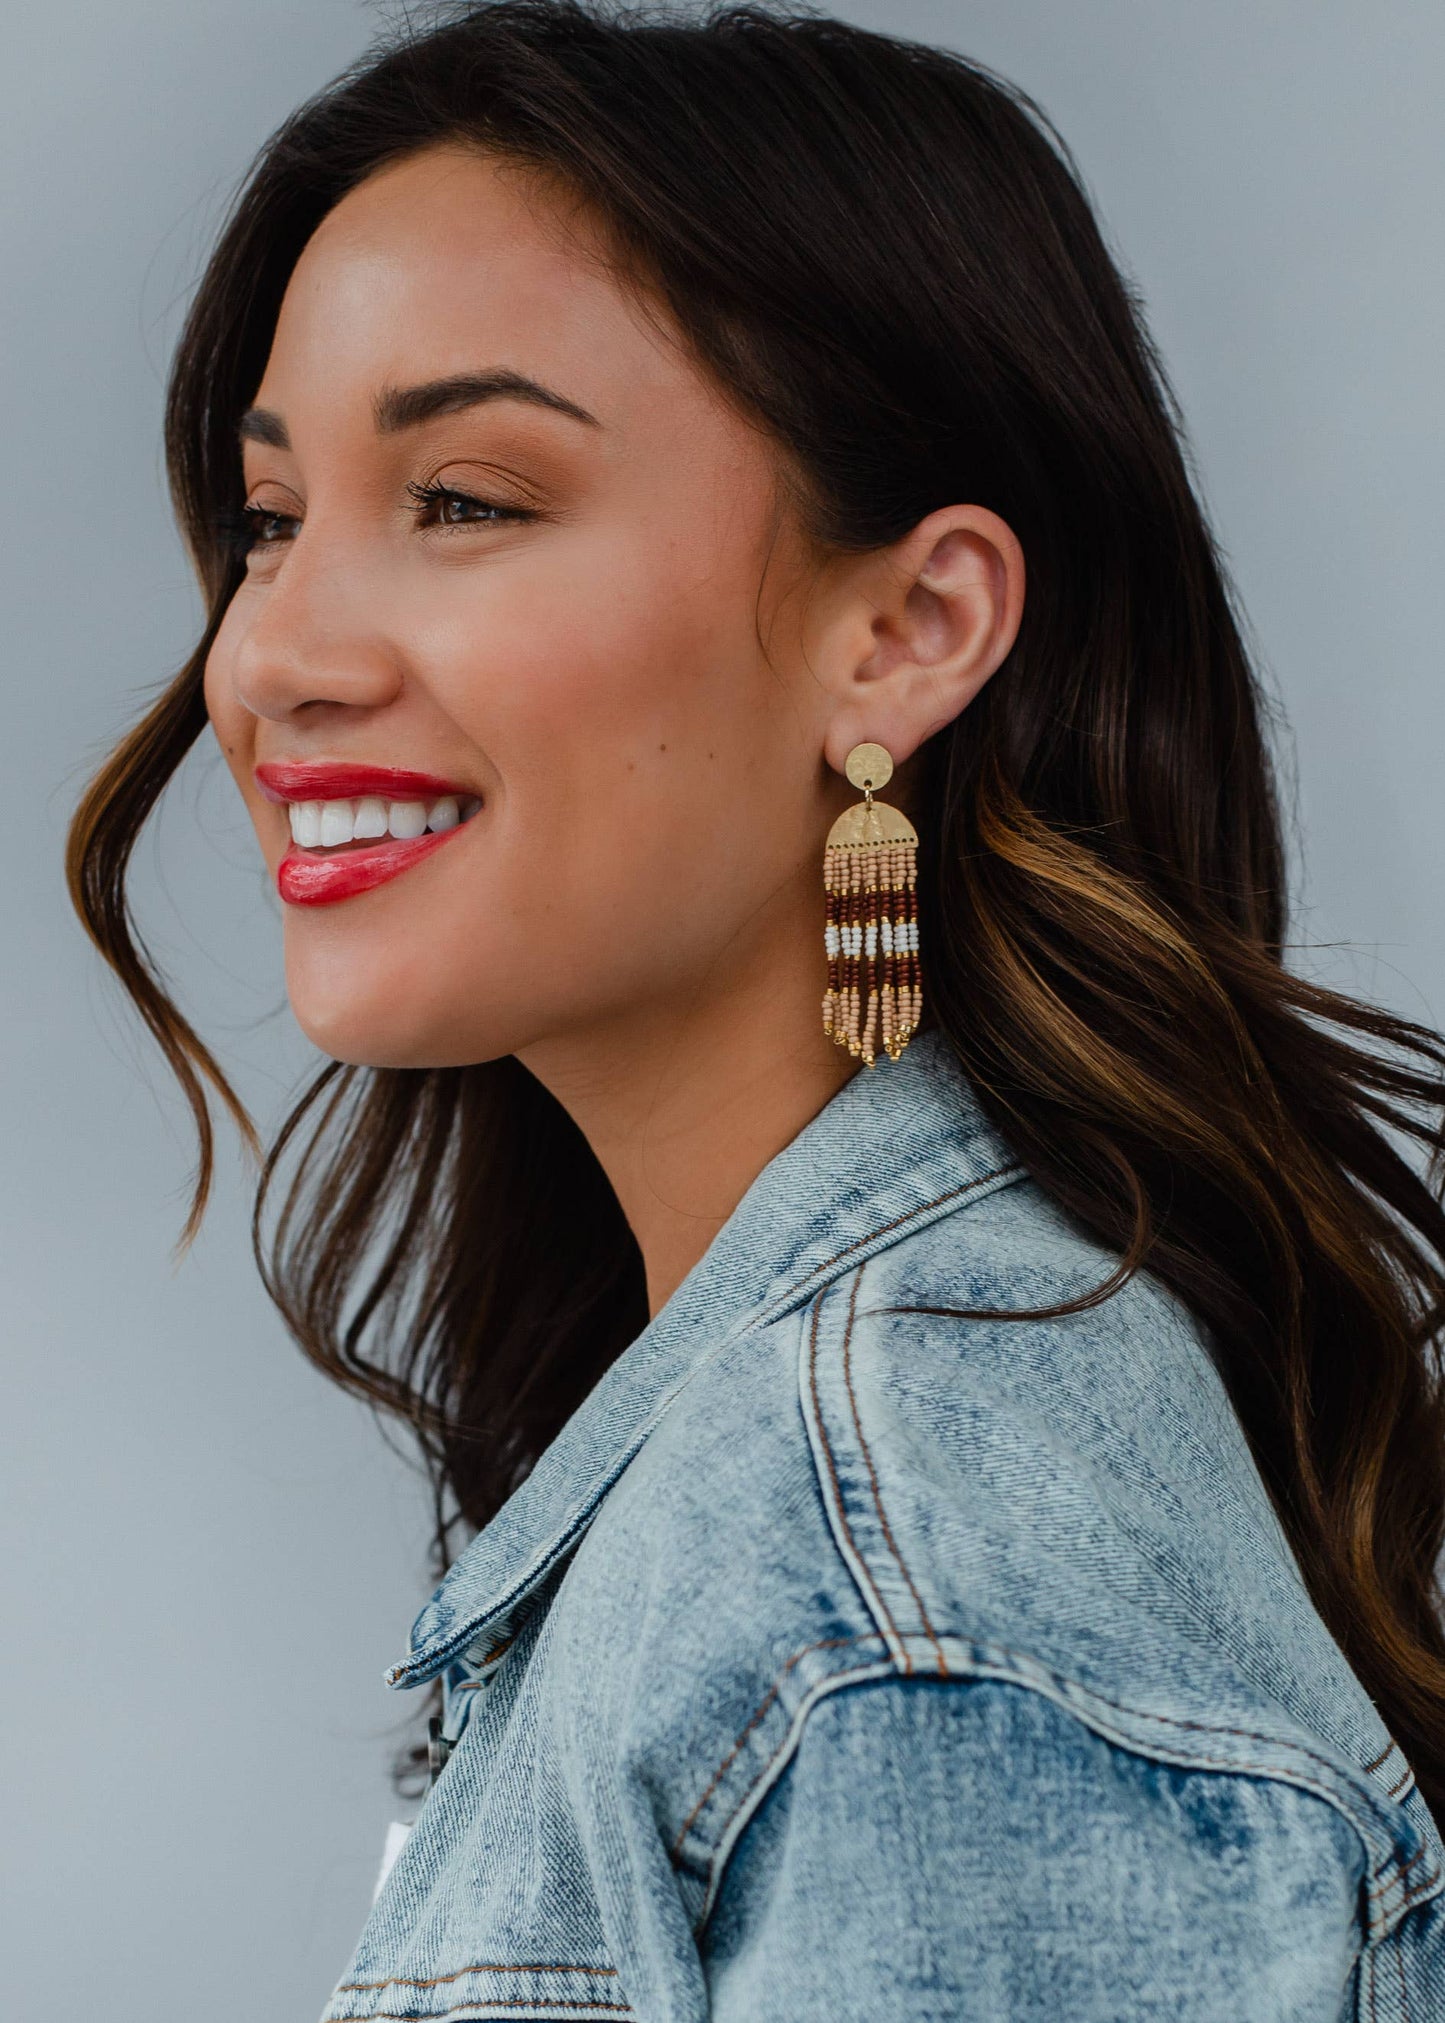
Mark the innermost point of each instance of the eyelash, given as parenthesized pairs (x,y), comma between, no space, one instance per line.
(240,530)
(430,495)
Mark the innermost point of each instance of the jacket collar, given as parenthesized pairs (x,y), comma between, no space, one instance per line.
(895,1148)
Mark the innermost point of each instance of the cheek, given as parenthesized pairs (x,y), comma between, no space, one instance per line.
(232,724)
(234,729)
(620,706)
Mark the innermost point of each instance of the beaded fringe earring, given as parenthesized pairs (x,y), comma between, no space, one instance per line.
(870,874)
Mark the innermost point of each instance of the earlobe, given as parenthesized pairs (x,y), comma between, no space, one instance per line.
(942,608)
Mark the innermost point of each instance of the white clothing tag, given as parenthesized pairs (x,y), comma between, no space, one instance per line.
(396,1835)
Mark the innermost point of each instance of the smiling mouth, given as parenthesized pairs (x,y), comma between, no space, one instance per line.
(356,824)
(341,847)
(328,828)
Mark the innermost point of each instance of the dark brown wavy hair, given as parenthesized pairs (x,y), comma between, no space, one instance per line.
(884,254)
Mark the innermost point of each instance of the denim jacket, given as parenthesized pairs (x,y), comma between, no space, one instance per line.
(844,1661)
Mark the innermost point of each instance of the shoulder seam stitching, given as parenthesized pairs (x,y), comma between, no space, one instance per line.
(889,1538)
(1379,1883)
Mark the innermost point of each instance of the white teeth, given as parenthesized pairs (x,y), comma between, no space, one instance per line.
(407,818)
(306,823)
(322,825)
(337,818)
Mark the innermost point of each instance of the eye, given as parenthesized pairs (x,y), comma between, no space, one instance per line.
(255,527)
(268,525)
(441,506)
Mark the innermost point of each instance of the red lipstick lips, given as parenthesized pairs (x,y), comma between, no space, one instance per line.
(304,880)
(327,780)
(310,878)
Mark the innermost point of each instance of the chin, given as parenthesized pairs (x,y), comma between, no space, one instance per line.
(378,1029)
(357,1044)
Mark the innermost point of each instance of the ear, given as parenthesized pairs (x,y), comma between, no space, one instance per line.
(913,631)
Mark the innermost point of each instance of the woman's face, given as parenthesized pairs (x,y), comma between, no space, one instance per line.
(509,539)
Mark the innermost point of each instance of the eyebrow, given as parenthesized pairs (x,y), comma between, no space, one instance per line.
(403,407)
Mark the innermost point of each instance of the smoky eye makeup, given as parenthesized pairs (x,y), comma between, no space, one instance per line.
(439,505)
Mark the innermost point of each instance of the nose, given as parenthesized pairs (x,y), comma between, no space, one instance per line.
(315,635)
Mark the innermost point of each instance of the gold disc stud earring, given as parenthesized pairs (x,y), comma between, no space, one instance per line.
(870,876)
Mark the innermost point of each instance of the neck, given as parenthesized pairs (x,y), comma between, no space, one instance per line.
(685,1105)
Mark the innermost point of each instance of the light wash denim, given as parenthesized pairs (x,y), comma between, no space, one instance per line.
(843,1662)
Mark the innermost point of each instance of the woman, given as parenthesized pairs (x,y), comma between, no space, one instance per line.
(957,1484)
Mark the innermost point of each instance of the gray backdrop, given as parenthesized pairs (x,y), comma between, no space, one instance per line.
(209,1554)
